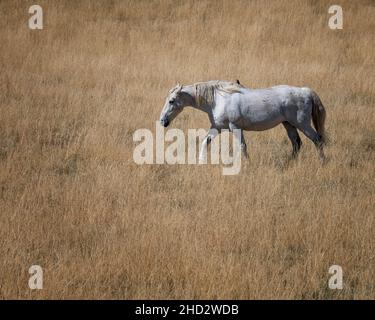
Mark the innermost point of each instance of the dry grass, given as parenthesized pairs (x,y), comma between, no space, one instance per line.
(73,201)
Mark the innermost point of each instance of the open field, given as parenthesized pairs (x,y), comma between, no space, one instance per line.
(73,201)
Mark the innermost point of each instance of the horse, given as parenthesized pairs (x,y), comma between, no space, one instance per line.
(230,105)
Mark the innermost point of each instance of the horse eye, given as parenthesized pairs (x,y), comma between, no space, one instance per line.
(171,101)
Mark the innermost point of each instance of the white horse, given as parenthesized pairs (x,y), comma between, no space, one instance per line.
(232,106)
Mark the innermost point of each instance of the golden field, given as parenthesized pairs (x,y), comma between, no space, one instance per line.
(73,201)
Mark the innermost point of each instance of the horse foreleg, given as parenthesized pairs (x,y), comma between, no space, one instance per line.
(244,146)
(211,134)
(242,142)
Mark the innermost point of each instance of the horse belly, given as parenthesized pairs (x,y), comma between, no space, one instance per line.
(260,120)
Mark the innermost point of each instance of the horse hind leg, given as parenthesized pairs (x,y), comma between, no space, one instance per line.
(310,133)
(293,137)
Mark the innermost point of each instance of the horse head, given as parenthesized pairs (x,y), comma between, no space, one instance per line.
(174,104)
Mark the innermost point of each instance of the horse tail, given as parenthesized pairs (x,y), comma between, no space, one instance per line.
(318,115)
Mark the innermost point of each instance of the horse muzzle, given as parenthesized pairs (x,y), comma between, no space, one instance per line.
(164,122)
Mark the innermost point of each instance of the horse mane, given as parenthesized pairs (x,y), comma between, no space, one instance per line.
(205,91)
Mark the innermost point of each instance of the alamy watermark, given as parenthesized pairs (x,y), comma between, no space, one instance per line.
(172,147)
(336,21)
(36,20)
(36,279)
(336,280)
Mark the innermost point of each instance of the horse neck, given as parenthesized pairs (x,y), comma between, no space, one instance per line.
(190,90)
